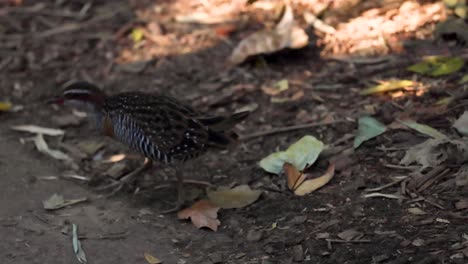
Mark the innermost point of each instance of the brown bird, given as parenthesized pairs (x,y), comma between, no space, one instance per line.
(159,127)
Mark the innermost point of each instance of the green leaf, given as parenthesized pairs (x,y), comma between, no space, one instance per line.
(368,128)
(437,65)
(137,35)
(388,86)
(301,154)
(80,255)
(464,79)
(424,129)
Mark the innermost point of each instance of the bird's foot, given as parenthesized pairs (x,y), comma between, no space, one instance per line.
(173,209)
(180,200)
(127,179)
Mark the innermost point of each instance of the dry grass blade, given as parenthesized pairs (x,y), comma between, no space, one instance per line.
(39,130)
(42,146)
(384,195)
(386,185)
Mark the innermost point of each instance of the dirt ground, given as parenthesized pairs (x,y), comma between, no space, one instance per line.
(46,43)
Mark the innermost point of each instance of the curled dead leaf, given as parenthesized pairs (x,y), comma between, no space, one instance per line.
(309,186)
(297,180)
(152,259)
(295,177)
(416,211)
(202,214)
(237,197)
(285,35)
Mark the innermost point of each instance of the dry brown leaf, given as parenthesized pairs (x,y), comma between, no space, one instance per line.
(285,35)
(202,214)
(309,186)
(297,180)
(462,204)
(416,211)
(237,197)
(152,259)
(295,177)
(350,234)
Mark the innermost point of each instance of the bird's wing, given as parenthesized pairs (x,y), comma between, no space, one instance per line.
(157,126)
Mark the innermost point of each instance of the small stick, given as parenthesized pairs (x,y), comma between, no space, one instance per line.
(394,166)
(386,185)
(349,241)
(287,129)
(389,196)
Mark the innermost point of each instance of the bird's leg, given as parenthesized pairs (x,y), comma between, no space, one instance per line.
(128,178)
(180,193)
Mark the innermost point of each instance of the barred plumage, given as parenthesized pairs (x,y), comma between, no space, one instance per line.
(155,125)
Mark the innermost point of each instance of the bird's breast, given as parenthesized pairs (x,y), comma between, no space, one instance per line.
(107,127)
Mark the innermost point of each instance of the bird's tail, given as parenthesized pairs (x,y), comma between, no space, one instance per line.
(224,123)
(220,134)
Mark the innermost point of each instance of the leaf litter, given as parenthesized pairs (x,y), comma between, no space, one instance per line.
(57,201)
(42,147)
(433,152)
(461,124)
(438,65)
(152,259)
(39,130)
(202,214)
(388,86)
(79,253)
(237,197)
(286,34)
(5,106)
(301,154)
(424,129)
(368,128)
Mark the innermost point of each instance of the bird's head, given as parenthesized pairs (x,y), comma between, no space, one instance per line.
(81,95)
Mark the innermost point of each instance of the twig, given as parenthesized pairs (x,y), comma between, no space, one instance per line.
(287,129)
(432,180)
(390,196)
(75,26)
(394,166)
(348,241)
(433,203)
(386,185)
(106,236)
